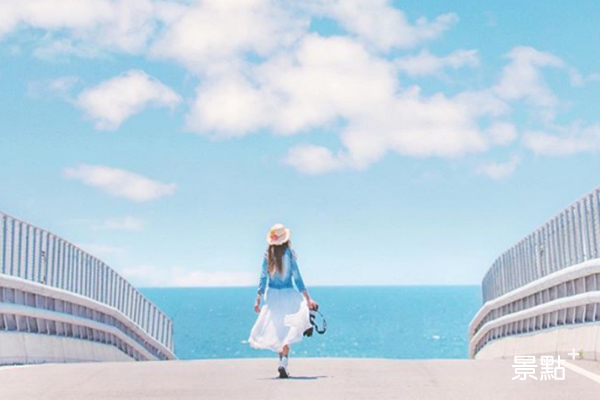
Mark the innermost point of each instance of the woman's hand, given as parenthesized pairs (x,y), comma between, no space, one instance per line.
(312,305)
(257,304)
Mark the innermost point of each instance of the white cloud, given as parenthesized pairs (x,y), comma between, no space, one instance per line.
(380,25)
(182,277)
(483,103)
(502,133)
(63,86)
(303,80)
(153,276)
(416,126)
(575,139)
(337,84)
(496,170)
(121,224)
(113,101)
(56,50)
(59,87)
(262,69)
(311,159)
(426,63)
(322,80)
(52,14)
(521,78)
(121,25)
(201,34)
(409,125)
(120,183)
(211,35)
(228,107)
(131,26)
(577,79)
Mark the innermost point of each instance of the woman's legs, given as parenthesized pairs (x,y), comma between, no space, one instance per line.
(284,351)
(283,361)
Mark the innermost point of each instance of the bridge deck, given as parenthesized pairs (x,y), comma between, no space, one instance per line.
(312,378)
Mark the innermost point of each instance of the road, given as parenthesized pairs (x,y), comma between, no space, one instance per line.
(312,378)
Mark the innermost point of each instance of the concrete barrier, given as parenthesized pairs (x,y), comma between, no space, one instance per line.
(542,295)
(58,303)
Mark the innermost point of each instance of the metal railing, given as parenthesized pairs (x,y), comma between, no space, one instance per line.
(570,238)
(37,255)
(565,297)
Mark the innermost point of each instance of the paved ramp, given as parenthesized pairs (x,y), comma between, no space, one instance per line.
(315,378)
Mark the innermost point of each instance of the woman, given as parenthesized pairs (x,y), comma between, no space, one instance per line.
(284,315)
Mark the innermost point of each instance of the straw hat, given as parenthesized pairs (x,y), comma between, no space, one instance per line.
(278,235)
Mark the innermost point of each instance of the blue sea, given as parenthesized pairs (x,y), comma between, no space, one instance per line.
(401,322)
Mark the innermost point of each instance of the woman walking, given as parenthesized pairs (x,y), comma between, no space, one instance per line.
(284,316)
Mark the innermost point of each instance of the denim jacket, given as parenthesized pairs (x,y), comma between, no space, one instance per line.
(281,281)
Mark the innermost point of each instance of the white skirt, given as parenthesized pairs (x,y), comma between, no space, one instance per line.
(283,319)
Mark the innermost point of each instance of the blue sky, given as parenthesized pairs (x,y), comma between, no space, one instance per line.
(402,142)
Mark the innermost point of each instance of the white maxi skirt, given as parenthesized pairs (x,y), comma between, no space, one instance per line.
(283,319)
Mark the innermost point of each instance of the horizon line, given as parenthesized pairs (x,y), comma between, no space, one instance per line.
(313,286)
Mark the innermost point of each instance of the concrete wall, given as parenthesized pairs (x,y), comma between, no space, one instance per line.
(566,298)
(551,342)
(31,348)
(34,315)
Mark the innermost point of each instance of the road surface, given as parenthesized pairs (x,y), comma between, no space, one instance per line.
(312,378)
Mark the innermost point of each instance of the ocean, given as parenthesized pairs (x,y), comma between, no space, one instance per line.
(399,322)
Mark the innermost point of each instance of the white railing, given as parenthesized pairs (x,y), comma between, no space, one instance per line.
(543,281)
(570,238)
(36,255)
(566,297)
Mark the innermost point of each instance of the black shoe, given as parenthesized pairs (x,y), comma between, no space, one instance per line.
(282,373)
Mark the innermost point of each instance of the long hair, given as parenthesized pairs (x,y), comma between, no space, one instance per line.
(275,257)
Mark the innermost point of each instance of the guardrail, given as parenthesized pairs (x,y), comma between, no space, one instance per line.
(566,297)
(34,254)
(549,279)
(570,238)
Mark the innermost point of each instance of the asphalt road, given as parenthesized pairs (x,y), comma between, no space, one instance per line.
(314,378)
